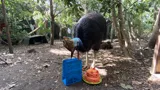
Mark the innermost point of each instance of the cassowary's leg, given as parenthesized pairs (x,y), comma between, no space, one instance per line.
(86,63)
(86,59)
(95,59)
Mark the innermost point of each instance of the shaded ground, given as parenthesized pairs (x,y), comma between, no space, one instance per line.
(41,69)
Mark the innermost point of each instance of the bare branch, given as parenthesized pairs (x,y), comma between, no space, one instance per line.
(58,13)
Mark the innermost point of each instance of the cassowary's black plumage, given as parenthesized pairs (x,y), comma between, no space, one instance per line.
(90,29)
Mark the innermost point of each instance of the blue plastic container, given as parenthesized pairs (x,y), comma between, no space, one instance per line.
(71,71)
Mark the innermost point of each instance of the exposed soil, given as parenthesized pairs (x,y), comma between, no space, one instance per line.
(38,67)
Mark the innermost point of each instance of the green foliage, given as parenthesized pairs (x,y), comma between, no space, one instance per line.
(16,35)
(67,15)
(74,7)
(19,11)
(43,30)
(140,13)
(106,6)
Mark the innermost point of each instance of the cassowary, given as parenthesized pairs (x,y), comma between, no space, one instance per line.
(89,32)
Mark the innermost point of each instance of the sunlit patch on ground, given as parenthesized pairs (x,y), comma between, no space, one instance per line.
(59,51)
(154,78)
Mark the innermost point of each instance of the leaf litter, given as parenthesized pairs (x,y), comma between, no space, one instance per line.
(41,64)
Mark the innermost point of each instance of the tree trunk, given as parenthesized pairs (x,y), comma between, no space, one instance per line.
(155,14)
(130,29)
(52,22)
(121,33)
(115,24)
(126,43)
(155,11)
(112,32)
(155,32)
(7,27)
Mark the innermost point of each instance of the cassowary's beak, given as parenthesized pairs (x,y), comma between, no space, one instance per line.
(72,52)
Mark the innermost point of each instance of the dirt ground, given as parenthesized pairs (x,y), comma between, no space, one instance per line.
(41,69)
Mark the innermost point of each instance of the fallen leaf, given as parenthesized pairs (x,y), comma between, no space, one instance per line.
(105,84)
(25,62)
(20,70)
(11,55)
(11,85)
(116,72)
(136,82)
(56,81)
(126,86)
(19,58)
(39,71)
(9,61)
(46,65)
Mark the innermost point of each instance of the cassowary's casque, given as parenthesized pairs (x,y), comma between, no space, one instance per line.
(89,32)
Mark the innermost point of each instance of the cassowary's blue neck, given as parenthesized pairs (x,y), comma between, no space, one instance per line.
(77,42)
